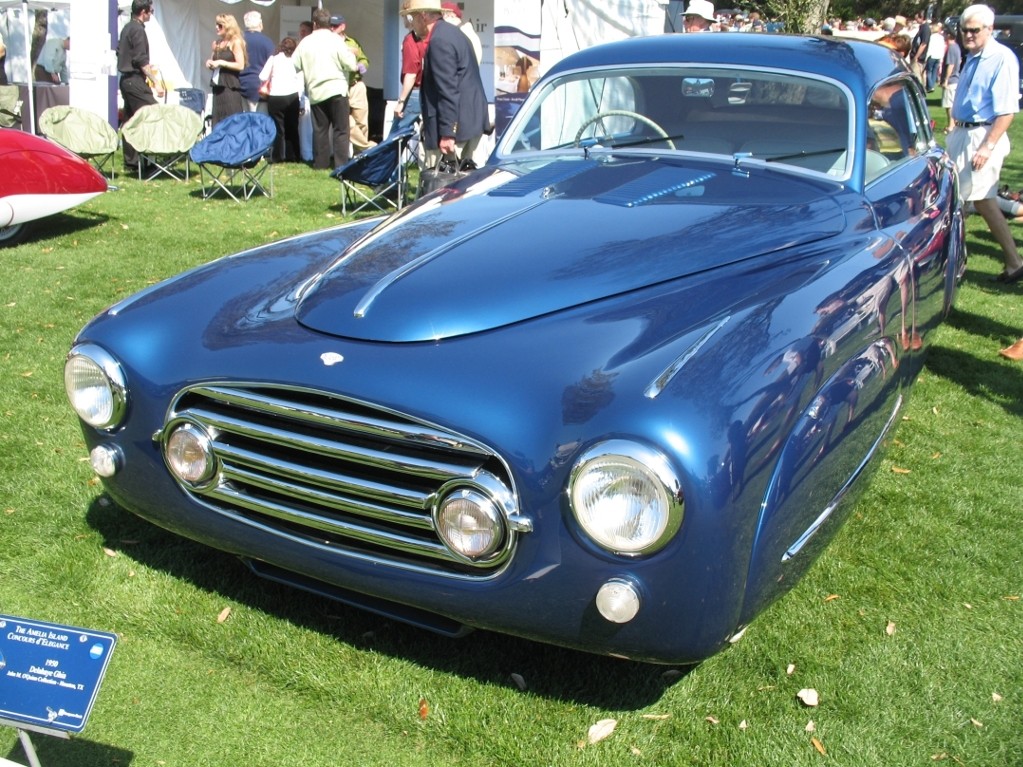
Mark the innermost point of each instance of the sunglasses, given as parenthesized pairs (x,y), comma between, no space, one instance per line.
(972,30)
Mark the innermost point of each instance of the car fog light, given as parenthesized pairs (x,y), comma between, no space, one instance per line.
(470,524)
(95,385)
(106,460)
(626,497)
(189,454)
(618,601)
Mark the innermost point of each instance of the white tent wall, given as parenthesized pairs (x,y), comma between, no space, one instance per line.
(568,26)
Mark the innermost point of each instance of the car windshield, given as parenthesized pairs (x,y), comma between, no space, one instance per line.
(775,116)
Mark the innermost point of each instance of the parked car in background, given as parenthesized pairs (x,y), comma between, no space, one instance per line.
(40,178)
(615,390)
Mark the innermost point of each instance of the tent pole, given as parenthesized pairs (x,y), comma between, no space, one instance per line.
(30,78)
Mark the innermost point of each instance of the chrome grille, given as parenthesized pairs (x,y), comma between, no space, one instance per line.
(334,472)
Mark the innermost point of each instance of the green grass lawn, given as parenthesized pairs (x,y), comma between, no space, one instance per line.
(908,627)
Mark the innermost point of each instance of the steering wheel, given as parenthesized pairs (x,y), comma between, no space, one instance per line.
(623,113)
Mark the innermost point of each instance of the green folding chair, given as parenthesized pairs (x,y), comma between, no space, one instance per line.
(83,132)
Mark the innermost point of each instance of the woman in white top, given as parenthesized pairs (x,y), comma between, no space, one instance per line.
(284,103)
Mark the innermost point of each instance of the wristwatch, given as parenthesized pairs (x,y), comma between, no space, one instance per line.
(990,146)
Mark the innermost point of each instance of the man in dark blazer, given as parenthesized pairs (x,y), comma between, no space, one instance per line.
(454,103)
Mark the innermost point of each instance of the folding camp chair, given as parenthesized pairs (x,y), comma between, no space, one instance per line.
(10,106)
(195,99)
(162,134)
(383,168)
(237,154)
(83,132)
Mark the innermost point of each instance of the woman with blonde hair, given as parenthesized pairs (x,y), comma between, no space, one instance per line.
(227,60)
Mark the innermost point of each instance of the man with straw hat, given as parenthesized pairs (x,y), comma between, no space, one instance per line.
(453,100)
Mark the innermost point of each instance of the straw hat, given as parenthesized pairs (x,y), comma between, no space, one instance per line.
(414,6)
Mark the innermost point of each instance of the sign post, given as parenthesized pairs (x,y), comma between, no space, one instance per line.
(49,677)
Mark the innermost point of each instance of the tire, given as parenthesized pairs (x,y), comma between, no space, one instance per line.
(12,235)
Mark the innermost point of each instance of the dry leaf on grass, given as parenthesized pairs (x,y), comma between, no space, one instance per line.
(224,615)
(809,697)
(975,722)
(424,708)
(890,628)
(712,719)
(810,726)
(900,470)
(819,746)
(109,552)
(831,597)
(657,717)
(996,698)
(790,669)
(743,725)
(600,730)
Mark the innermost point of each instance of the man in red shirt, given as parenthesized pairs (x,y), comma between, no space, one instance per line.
(413,52)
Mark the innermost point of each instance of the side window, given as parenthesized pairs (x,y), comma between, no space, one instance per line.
(896,128)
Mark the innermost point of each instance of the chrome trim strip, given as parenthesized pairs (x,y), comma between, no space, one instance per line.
(327,499)
(660,383)
(330,448)
(324,417)
(334,482)
(385,282)
(346,530)
(803,539)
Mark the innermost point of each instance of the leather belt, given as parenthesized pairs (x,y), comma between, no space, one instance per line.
(962,124)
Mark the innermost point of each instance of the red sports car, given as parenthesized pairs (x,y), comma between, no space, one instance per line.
(39,178)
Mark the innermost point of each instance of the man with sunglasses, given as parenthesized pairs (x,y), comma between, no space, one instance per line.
(987,99)
(134,67)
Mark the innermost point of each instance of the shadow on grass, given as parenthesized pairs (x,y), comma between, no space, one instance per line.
(980,371)
(59,225)
(549,671)
(79,752)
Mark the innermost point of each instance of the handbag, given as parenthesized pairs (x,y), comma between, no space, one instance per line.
(447,172)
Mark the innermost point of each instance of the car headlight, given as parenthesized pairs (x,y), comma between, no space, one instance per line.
(476,521)
(95,385)
(188,452)
(626,497)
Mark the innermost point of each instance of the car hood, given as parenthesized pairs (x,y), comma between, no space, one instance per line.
(512,243)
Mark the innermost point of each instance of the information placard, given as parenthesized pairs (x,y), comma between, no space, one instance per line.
(50,674)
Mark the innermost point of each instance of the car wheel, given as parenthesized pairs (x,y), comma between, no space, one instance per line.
(11,235)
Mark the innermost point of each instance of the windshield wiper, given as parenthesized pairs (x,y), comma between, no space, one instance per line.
(794,155)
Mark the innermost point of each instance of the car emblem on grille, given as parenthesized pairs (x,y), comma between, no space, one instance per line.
(331,358)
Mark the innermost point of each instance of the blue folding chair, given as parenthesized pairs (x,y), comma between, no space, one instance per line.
(236,155)
(383,168)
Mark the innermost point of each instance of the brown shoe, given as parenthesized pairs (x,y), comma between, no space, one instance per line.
(1014,352)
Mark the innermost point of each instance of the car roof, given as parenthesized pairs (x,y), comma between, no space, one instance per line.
(860,65)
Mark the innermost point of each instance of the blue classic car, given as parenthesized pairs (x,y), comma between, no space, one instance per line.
(615,390)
